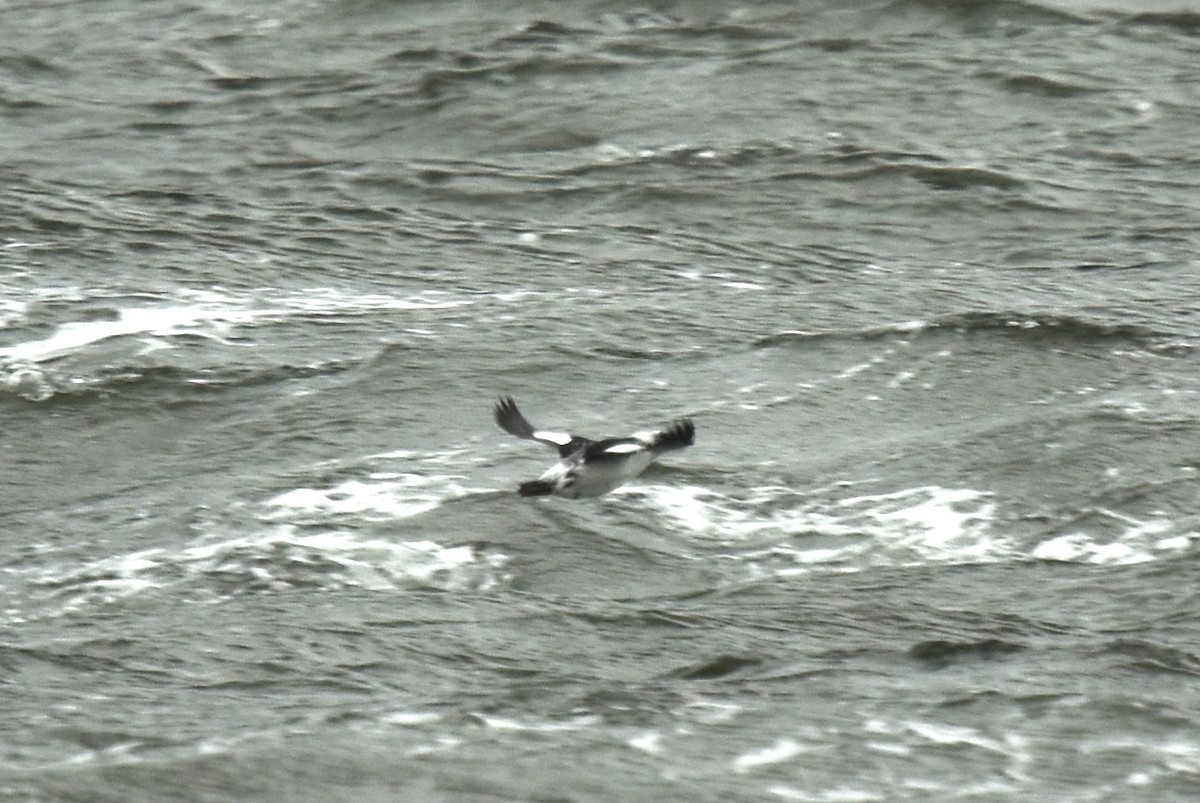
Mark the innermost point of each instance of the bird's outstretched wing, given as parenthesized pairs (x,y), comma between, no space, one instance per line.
(511,421)
(675,436)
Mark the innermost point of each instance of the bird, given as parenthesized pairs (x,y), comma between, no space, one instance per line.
(586,467)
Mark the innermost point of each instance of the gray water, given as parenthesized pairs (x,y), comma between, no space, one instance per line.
(923,273)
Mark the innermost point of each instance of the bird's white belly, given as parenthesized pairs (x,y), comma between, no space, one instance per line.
(598,477)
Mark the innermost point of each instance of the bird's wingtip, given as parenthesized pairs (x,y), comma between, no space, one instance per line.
(677,435)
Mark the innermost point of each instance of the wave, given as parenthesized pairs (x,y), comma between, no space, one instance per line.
(1148,656)
(990,12)
(777,531)
(450,82)
(781,160)
(1041,85)
(276,560)
(1186,22)
(84,346)
(939,654)
(934,176)
(1134,542)
(385,496)
(718,668)
(168,385)
(1036,326)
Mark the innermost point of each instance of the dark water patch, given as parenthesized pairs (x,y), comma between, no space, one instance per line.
(1148,656)
(717,668)
(1039,85)
(56,225)
(554,138)
(300,163)
(172,106)
(543,32)
(935,176)
(28,66)
(40,662)
(621,353)
(439,83)
(848,152)
(18,105)
(838,44)
(964,178)
(989,14)
(939,654)
(1119,266)
(243,83)
(157,194)
(1033,327)
(157,128)
(1186,22)
(1040,326)
(417,54)
(648,618)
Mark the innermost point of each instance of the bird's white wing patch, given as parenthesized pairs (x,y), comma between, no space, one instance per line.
(646,436)
(560,438)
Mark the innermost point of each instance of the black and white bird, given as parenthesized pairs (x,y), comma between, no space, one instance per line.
(587,467)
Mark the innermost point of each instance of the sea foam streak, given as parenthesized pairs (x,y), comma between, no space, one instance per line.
(211,313)
(304,538)
(778,530)
(388,496)
(144,325)
(1137,541)
(275,560)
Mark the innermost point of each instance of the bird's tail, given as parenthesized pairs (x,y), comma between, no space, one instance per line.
(536,488)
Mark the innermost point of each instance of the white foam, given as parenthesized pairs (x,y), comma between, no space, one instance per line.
(710,712)
(927,523)
(28,382)
(210,313)
(105,580)
(410,718)
(780,751)
(12,311)
(1139,542)
(283,558)
(390,496)
(942,734)
(331,301)
(155,321)
(783,531)
(710,514)
(543,726)
(834,795)
(647,742)
(278,559)
(936,523)
(439,745)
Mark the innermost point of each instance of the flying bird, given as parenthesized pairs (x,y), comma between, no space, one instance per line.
(591,468)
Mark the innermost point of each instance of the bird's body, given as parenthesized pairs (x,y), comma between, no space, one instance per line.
(586,467)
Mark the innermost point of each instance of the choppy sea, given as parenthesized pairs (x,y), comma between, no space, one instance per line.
(924,273)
